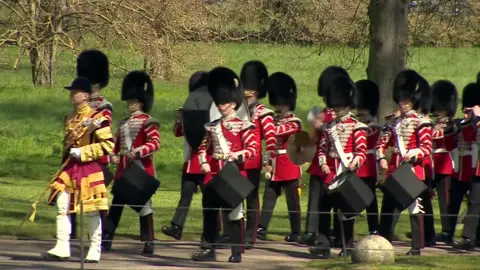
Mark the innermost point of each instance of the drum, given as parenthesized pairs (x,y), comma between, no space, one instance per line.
(135,186)
(350,194)
(229,187)
(403,187)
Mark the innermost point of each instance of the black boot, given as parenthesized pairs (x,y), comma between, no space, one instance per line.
(107,242)
(235,258)
(292,238)
(307,239)
(375,232)
(261,233)
(445,237)
(207,254)
(465,244)
(174,231)
(414,252)
(147,234)
(148,248)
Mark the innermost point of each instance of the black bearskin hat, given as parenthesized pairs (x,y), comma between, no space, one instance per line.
(282,90)
(410,85)
(138,85)
(470,96)
(254,76)
(224,86)
(444,97)
(328,76)
(367,96)
(93,64)
(197,80)
(340,92)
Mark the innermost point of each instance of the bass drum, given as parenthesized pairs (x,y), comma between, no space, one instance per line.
(350,194)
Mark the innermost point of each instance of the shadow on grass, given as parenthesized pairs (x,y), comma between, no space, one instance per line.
(32,167)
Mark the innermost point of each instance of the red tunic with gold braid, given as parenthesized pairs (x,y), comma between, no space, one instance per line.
(191,165)
(224,136)
(443,145)
(262,118)
(369,167)
(283,168)
(99,103)
(140,134)
(351,135)
(466,150)
(416,134)
(314,168)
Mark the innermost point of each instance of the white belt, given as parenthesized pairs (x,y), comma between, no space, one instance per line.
(371,151)
(440,150)
(281,151)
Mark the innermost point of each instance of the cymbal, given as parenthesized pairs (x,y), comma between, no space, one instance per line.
(301,148)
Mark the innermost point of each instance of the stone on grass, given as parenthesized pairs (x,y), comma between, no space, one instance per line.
(373,249)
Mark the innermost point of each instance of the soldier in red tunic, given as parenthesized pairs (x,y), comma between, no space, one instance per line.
(411,137)
(228,139)
(367,102)
(93,65)
(468,175)
(283,173)
(444,107)
(254,77)
(137,138)
(343,147)
(326,116)
(192,176)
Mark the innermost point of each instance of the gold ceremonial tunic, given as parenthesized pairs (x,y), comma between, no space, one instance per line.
(82,177)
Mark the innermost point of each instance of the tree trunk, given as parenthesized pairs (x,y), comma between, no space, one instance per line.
(388,47)
(39,68)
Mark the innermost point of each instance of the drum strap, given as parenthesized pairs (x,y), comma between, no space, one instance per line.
(344,158)
(221,139)
(455,160)
(400,142)
(474,154)
(129,143)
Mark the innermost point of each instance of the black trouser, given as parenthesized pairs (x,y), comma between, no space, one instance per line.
(190,183)
(313,204)
(416,220)
(442,184)
(252,206)
(210,226)
(325,206)
(429,221)
(458,190)
(387,216)
(273,190)
(471,221)
(372,209)
(114,215)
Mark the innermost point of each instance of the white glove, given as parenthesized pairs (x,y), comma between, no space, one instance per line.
(75,152)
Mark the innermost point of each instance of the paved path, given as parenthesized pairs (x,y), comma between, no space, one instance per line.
(25,254)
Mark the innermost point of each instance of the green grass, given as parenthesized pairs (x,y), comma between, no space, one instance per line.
(403,263)
(31,124)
